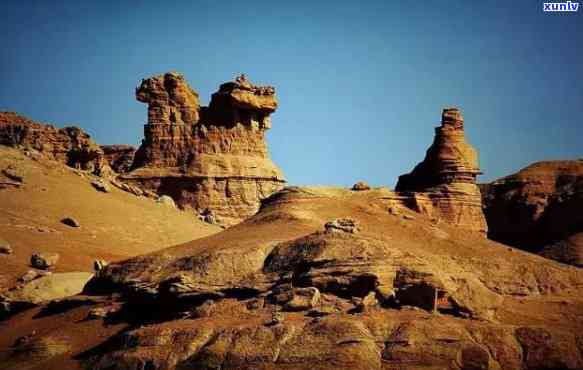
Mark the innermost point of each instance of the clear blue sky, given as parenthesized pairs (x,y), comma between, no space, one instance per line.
(361,84)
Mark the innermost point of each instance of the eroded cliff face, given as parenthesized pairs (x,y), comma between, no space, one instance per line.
(211,157)
(70,145)
(539,209)
(120,157)
(444,184)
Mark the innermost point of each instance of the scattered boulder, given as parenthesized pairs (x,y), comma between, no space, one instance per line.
(204,310)
(30,275)
(167,201)
(103,312)
(70,221)
(43,288)
(303,299)
(97,313)
(347,225)
(360,186)
(101,186)
(44,261)
(40,348)
(13,174)
(394,211)
(104,172)
(5,247)
(209,217)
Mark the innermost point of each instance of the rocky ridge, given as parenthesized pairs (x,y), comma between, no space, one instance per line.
(70,145)
(538,209)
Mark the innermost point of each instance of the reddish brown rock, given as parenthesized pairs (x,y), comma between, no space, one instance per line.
(444,184)
(537,208)
(211,157)
(70,144)
(120,157)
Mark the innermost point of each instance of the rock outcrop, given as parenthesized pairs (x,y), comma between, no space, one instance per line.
(537,208)
(444,184)
(211,157)
(70,145)
(119,157)
(279,292)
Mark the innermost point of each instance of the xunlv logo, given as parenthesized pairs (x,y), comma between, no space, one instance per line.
(561,7)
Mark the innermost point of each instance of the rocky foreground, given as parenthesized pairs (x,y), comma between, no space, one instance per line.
(321,278)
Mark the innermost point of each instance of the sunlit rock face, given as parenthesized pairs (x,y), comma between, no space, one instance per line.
(444,183)
(211,157)
(70,145)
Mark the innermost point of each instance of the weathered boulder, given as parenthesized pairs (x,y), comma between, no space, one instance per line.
(211,157)
(296,299)
(37,348)
(44,261)
(443,185)
(70,221)
(101,185)
(5,247)
(14,174)
(36,288)
(360,186)
(30,275)
(166,201)
(346,225)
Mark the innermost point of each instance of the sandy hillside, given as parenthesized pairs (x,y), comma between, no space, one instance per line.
(114,225)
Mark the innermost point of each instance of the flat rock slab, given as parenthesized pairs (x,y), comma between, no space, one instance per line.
(50,287)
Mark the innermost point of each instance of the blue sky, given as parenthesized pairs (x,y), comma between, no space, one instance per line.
(361,84)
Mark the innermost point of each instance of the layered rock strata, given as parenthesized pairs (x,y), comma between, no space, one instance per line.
(281,291)
(211,157)
(539,208)
(443,185)
(70,144)
(119,157)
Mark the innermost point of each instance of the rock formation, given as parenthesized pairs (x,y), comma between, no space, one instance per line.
(279,292)
(211,157)
(70,144)
(538,206)
(444,184)
(119,157)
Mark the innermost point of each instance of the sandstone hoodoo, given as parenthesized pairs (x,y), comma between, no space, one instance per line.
(211,157)
(444,183)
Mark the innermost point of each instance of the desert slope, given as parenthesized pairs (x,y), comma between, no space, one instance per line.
(399,290)
(114,225)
